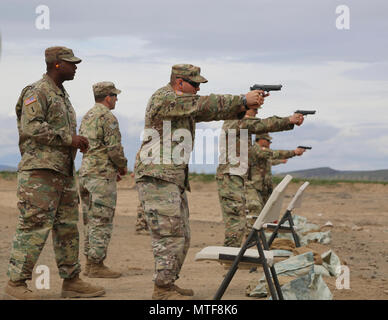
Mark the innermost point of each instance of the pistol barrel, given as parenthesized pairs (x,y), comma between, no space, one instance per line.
(267,87)
(305,112)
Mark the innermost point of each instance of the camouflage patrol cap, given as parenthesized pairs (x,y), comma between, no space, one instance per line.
(264,136)
(53,54)
(105,88)
(188,71)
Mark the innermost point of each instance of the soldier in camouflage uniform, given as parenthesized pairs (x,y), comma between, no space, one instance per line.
(102,165)
(259,186)
(47,194)
(162,179)
(231,177)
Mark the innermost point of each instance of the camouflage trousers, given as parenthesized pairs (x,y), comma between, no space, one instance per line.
(232,199)
(167,213)
(98,197)
(47,200)
(141,222)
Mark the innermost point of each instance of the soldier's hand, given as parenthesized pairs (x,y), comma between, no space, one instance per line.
(299,151)
(255,98)
(297,119)
(84,145)
(80,142)
(118,178)
(284,160)
(123,171)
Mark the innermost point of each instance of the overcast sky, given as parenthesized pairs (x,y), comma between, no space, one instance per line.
(343,74)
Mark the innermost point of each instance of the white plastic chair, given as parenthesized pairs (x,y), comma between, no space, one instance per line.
(296,202)
(256,237)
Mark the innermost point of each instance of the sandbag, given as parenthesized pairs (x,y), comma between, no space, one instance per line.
(332,263)
(295,266)
(308,287)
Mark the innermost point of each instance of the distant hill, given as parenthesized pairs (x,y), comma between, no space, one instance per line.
(331,174)
(7,168)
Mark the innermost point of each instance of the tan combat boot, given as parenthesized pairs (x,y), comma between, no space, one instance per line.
(184,292)
(87,267)
(167,293)
(76,288)
(18,290)
(99,270)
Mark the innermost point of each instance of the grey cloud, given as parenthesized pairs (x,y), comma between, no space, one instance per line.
(316,133)
(372,72)
(300,31)
(340,150)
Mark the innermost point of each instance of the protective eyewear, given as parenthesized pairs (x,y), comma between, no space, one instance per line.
(194,84)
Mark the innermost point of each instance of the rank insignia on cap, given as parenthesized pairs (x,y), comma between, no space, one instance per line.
(29,101)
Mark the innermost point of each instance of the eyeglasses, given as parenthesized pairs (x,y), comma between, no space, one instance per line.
(194,84)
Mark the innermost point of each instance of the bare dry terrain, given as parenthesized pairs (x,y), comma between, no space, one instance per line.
(359,213)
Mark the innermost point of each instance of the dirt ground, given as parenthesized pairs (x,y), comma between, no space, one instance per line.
(359,213)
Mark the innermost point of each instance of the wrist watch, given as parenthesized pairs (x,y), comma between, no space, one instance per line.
(244,99)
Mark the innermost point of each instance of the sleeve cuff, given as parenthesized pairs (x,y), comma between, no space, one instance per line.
(241,115)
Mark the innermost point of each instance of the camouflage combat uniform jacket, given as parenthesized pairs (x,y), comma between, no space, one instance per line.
(46,123)
(253,126)
(260,167)
(105,154)
(183,111)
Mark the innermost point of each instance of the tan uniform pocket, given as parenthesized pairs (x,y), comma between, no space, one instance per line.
(164,198)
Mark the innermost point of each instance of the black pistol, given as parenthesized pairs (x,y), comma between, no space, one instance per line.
(267,87)
(305,112)
(304,147)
